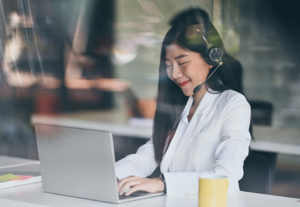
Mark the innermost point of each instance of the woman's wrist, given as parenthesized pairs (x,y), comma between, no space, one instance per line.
(162,178)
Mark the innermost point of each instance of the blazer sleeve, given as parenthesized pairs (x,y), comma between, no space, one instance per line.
(235,140)
(141,164)
(229,155)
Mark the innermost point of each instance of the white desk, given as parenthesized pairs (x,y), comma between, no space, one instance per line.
(279,140)
(108,120)
(286,141)
(8,162)
(32,196)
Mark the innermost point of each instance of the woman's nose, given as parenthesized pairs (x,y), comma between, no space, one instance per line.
(176,72)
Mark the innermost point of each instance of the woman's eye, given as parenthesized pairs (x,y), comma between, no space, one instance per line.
(183,63)
(168,66)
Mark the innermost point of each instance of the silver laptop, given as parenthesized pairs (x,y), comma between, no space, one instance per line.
(79,162)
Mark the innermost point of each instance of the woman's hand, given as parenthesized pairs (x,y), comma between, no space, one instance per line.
(133,183)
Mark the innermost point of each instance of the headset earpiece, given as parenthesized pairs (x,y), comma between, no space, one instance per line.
(214,55)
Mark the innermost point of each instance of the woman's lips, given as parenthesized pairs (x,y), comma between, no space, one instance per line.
(184,83)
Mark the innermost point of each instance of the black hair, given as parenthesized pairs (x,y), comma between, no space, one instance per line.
(189,16)
(187,33)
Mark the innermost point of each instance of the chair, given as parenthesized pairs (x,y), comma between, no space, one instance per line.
(259,167)
(261,112)
(259,171)
(17,139)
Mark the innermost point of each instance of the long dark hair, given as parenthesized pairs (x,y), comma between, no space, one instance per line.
(170,99)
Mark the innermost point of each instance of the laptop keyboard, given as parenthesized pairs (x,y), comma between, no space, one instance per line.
(133,195)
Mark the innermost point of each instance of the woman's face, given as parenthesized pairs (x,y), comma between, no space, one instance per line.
(186,68)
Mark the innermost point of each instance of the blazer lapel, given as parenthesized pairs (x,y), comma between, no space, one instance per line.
(194,127)
(167,158)
(187,138)
(180,143)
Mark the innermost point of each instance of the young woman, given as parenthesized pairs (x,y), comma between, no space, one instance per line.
(201,123)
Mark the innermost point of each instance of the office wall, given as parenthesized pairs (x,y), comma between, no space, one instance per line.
(268,34)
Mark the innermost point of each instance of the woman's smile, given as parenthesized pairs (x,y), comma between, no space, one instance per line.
(183,84)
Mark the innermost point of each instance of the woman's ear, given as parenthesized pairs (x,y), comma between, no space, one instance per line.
(211,66)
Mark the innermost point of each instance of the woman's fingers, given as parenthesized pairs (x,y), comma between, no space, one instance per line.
(129,185)
(134,189)
(140,184)
(125,180)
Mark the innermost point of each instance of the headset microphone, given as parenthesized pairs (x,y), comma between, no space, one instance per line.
(198,87)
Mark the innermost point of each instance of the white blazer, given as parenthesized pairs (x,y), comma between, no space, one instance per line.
(215,142)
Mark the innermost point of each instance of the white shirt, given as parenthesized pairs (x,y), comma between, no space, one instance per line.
(215,141)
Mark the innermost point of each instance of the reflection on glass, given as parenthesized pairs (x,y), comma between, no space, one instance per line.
(28,57)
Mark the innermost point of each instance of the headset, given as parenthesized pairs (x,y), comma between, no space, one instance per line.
(213,56)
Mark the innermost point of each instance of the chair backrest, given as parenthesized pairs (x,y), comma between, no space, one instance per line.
(259,170)
(259,167)
(261,112)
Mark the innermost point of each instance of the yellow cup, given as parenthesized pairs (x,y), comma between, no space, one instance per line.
(212,191)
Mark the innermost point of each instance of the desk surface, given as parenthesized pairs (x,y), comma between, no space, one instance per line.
(8,162)
(270,139)
(280,140)
(32,196)
(113,121)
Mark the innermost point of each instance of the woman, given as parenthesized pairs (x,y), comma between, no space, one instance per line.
(201,123)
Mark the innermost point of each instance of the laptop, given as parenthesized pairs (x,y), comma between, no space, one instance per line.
(79,162)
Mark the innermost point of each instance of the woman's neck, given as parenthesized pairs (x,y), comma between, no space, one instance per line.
(198,96)
(197,99)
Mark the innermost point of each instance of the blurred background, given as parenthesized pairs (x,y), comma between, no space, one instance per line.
(86,58)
